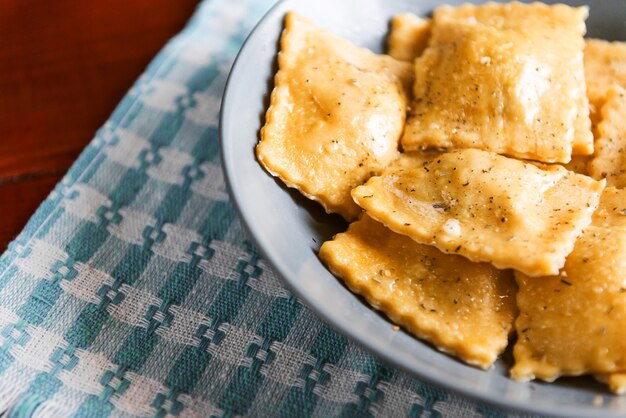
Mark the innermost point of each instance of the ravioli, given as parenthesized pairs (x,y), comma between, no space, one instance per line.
(609,160)
(486,207)
(463,308)
(587,298)
(408,36)
(605,65)
(336,114)
(611,212)
(575,322)
(507,78)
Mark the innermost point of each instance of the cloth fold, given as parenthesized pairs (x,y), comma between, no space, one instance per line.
(134,291)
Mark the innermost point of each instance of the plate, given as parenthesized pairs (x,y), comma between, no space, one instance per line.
(288,229)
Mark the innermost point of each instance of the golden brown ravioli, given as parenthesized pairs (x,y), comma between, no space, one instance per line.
(336,115)
(503,77)
(486,207)
(609,160)
(575,322)
(408,36)
(463,308)
(586,301)
(611,212)
(605,65)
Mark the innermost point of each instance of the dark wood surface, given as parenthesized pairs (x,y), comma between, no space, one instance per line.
(65,64)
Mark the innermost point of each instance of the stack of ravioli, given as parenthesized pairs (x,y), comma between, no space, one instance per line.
(481,164)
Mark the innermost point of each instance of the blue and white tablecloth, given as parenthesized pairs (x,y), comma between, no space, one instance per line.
(134,291)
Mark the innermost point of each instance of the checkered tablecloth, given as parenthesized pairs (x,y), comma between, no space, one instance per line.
(134,291)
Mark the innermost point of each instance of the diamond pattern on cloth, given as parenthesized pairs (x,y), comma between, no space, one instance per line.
(134,292)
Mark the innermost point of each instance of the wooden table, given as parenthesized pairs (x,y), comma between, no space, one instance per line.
(65,65)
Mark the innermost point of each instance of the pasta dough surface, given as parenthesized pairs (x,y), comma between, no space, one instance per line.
(611,212)
(336,115)
(586,302)
(408,37)
(609,160)
(578,164)
(507,78)
(575,323)
(605,65)
(463,308)
(485,207)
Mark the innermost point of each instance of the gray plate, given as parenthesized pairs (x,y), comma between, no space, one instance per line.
(289,229)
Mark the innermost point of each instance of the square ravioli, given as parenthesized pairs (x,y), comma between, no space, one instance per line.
(486,207)
(507,78)
(609,160)
(612,214)
(605,65)
(463,308)
(408,37)
(574,323)
(336,114)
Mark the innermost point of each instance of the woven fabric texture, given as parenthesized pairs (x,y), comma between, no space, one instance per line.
(134,291)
